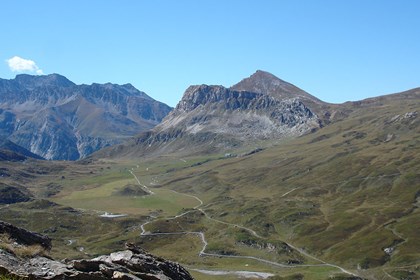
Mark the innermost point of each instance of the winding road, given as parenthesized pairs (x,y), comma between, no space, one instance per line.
(201,235)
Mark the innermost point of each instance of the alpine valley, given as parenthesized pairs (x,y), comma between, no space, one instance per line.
(260,180)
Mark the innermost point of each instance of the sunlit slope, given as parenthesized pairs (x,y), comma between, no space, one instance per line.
(347,193)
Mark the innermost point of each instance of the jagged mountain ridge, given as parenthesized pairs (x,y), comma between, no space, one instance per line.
(216,118)
(57,119)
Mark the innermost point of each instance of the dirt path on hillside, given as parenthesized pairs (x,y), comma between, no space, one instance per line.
(251,231)
(144,187)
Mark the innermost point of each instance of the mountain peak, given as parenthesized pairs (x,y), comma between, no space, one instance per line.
(43,80)
(260,81)
(266,83)
(260,74)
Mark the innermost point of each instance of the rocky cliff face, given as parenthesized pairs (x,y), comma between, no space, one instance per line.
(131,264)
(57,119)
(241,114)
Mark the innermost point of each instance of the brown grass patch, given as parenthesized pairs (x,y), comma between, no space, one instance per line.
(8,244)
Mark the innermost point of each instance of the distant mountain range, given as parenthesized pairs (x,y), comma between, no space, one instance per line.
(58,120)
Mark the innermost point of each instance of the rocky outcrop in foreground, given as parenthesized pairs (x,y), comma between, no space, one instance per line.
(133,263)
(24,237)
(129,264)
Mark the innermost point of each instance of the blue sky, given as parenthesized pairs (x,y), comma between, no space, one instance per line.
(335,50)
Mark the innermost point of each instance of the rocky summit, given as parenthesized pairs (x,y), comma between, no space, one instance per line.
(244,115)
(215,118)
(58,120)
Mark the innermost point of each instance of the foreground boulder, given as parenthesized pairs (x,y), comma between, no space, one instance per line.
(133,263)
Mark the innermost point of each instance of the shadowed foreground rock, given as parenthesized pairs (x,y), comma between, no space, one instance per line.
(133,263)
(25,237)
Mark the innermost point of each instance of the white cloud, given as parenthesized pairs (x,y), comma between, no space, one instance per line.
(18,64)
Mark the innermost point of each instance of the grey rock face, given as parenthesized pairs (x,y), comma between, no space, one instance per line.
(195,96)
(130,264)
(133,263)
(258,108)
(57,119)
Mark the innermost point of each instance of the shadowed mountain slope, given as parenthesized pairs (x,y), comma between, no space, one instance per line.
(11,152)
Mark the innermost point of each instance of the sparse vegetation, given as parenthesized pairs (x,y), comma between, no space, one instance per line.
(23,251)
(10,277)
